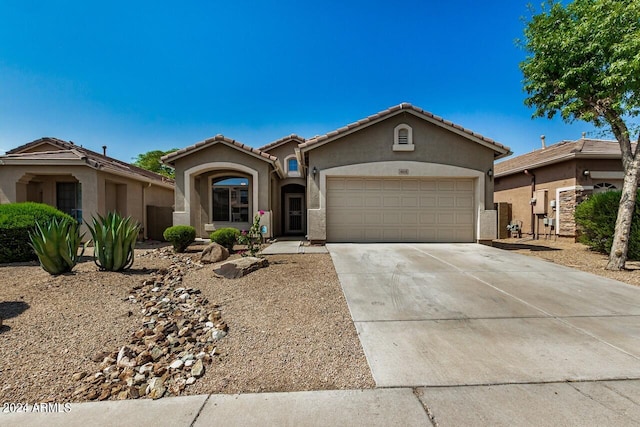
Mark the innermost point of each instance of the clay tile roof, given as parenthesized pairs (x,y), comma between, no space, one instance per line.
(559,152)
(318,140)
(281,141)
(218,138)
(71,151)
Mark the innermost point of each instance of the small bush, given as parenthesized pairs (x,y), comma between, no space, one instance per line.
(114,241)
(596,219)
(226,237)
(180,236)
(56,244)
(17,220)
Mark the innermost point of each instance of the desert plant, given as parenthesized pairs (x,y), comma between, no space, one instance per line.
(56,244)
(16,221)
(226,237)
(180,236)
(114,240)
(253,237)
(596,219)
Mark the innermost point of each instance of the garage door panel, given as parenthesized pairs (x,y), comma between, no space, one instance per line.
(428,218)
(464,185)
(464,202)
(400,209)
(428,201)
(446,201)
(391,184)
(354,184)
(391,201)
(373,218)
(409,202)
(410,185)
(372,201)
(409,218)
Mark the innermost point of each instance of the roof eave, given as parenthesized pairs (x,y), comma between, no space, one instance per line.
(502,151)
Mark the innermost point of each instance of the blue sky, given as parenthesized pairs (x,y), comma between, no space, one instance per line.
(142,75)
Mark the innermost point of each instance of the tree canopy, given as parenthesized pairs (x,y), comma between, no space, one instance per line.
(151,161)
(583,62)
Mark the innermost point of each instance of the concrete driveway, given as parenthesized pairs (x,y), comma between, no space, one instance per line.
(471,315)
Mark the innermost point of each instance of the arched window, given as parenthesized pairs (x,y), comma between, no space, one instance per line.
(292,168)
(602,187)
(403,138)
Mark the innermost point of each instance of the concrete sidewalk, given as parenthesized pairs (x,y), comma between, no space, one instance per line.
(380,407)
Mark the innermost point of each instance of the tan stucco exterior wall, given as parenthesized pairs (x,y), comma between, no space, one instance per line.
(283,151)
(559,179)
(96,187)
(374,144)
(210,161)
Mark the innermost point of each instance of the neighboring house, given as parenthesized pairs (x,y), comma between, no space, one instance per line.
(558,177)
(84,183)
(402,175)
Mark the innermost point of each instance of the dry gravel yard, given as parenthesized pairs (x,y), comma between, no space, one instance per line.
(576,255)
(289,327)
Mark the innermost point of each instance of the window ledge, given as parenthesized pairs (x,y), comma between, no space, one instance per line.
(293,174)
(403,147)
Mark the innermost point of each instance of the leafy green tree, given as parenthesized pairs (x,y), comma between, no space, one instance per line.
(151,162)
(583,62)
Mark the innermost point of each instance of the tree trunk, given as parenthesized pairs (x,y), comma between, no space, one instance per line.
(620,246)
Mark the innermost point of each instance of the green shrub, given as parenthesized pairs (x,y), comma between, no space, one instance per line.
(17,220)
(226,237)
(114,240)
(596,219)
(180,236)
(56,244)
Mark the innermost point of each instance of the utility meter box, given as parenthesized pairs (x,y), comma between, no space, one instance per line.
(542,202)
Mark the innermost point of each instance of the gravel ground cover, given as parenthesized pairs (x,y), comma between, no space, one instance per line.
(571,254)
(289,327)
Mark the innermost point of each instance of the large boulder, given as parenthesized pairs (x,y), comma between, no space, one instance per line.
(214,253)
(237,268)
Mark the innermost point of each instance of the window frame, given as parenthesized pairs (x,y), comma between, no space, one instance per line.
(288,171)
(403,146)
(230,189)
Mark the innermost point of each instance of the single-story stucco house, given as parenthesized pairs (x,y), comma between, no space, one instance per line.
(543,188)
(402,175)
(84,183)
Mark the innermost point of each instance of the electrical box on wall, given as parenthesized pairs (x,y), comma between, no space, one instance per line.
(540,208)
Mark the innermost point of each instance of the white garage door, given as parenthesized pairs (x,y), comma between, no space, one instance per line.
(400,209)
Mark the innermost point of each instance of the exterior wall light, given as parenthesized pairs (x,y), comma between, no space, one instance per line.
(586,172)
(314,171)
(490,173)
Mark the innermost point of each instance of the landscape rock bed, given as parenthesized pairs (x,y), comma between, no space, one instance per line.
(170,350)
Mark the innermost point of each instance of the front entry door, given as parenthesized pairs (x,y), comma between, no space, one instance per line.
(294,213)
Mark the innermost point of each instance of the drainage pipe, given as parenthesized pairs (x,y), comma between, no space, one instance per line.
(533,192)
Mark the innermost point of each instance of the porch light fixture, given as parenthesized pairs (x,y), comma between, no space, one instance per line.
(314,171)
(490,173)
(586,172)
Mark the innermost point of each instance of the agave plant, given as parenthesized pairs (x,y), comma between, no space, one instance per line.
(114,239)
(56,244)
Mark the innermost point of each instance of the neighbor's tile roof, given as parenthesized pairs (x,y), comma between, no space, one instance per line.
(218,138)
(559,152)
(281,141)
(71,151)
(395,110)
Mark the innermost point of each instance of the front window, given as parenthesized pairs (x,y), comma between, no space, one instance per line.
(231,200)
(69,199)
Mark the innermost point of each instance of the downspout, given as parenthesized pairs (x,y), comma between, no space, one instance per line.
(533,192)
(145,233)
